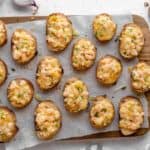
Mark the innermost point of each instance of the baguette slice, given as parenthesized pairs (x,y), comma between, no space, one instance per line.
(49,73)
(104,28)
(48,120)
(109,69)
(8,127)
(23,46)
(20,92)
(131,115)
(102,112)
(3,33)
(140,77)
(59,32)
(3,72)
(83,54)
(75,95)
(131,41)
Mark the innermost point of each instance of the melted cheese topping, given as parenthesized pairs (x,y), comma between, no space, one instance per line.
(131,114)
(47,119)
(7,125)
(131,41)
(23,46)
(20,92)
(59,32)
(3,72)
(49,72)
(83,54)
(3,34)
(108,70)
(75,95)
(102,112)
(140,77)
(104,28)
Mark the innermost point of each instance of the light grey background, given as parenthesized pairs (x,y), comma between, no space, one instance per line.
(84,7)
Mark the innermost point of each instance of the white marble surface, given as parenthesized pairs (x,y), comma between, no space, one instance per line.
(85,7)
(82,7)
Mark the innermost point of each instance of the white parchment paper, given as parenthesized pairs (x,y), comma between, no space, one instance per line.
(77,125)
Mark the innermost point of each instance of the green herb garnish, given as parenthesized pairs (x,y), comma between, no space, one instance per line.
(2,115)
(38,98)
(75,33)
(91,98)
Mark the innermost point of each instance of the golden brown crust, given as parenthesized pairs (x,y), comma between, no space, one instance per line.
(59,47)
(6,72)
(20,59)
(39,126)
(3,33)
(75,95)
(112,29)
(87,57)
(107,81)
(133,120)
(140,77)
(13,130)
(56,74)
(137,39)
(17,103)
(102,112)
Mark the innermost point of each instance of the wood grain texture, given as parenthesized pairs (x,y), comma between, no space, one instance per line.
(144,56)
(9,20)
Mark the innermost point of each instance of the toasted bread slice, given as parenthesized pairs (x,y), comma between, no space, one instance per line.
(8,127)
(131,115)
(59,32)
(23,46)
(3,72)
(108,70)
(48,120)
(3,33)
(131,41)
(104,28)
(102,112)
(20,92)
(49,72)
(83,54)
(140,77)
(75,95)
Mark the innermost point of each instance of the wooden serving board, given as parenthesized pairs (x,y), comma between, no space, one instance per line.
(144,56)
